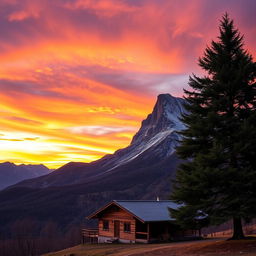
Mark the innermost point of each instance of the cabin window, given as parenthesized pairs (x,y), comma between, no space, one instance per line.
(105,225)
(127,227)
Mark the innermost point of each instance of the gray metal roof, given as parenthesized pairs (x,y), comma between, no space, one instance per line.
(149,210)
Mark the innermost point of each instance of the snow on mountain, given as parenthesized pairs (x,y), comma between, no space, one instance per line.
(165,117)
(158,133)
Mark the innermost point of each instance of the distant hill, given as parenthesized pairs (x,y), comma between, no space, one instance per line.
(11,173)
(143,170)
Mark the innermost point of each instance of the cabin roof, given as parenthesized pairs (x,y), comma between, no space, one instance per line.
(145,211)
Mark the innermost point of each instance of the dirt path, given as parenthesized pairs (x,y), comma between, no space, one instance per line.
(217,247)
(207,248)
(163,249)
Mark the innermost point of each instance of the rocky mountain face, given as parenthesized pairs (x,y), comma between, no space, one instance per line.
(158,133)
(165,118)
(11,173)
(143,170)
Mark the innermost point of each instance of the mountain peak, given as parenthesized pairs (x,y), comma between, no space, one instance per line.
(163,96)
(169,103)
(165,117)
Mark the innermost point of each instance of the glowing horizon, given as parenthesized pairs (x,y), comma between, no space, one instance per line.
(77,77)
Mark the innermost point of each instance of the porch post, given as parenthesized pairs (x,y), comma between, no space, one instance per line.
(148,232)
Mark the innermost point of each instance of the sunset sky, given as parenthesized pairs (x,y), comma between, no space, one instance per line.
(77,77)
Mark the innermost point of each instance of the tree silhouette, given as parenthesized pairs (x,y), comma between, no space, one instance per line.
(219,142)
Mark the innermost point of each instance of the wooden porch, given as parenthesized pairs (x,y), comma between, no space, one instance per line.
(142,232)
(90,235)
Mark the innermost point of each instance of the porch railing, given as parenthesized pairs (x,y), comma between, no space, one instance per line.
(90,235)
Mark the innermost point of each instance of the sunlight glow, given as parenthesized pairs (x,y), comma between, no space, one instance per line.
(78,77)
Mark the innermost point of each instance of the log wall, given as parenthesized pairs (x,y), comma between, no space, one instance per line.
(117,215)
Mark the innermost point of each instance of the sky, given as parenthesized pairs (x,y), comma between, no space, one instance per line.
(77,77)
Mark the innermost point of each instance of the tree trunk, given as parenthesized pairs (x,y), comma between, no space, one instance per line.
(237,229)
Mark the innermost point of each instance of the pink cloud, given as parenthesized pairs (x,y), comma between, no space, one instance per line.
(22,15)
(25,10)
(107,8)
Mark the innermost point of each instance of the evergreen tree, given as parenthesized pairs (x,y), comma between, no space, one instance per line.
(219,142)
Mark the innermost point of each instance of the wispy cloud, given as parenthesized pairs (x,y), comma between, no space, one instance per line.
(108,8)
(99,130)
(22,15)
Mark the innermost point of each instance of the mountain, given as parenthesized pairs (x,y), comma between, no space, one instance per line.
(155,141)
(11,173)
(143,170)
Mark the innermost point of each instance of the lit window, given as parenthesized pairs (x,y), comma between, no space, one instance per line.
(105,225)
(127,227)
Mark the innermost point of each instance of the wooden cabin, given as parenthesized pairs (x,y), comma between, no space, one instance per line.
(135,221)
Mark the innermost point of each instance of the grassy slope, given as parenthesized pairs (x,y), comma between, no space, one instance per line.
(196,248)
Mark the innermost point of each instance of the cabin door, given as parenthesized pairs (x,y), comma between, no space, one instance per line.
(116,228)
